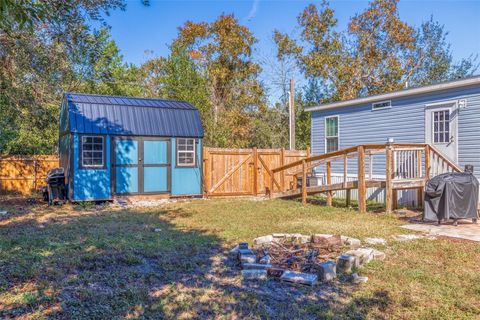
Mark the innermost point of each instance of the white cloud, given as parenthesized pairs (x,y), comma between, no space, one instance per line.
(253,10)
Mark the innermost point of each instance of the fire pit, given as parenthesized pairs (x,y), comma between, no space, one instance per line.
(301,258)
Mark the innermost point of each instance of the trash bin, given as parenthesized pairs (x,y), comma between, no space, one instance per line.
(451,196)
(56,190)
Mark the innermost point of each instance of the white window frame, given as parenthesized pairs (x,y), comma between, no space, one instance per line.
(338,133)
(82,164)
(382,108)
(194,152)
(449,111)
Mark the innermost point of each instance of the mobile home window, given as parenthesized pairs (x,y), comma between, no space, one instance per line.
(185,152)
(92,151)
(331,134)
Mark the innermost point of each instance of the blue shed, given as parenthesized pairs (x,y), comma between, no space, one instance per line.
(112,146)
(445,115)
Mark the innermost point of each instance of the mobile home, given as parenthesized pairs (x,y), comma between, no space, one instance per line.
(445,115)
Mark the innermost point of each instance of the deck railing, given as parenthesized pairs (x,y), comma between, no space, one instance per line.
(407,166)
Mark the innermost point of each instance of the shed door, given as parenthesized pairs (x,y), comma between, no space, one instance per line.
(142,165)
(126,168)
(441,128)
(156,166)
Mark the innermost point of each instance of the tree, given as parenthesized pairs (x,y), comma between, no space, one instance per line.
(223,49)
(107,72)
(379,52)
(178,77)
(47,48)
(433,57)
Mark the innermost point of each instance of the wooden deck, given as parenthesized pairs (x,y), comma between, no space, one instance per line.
(407,166)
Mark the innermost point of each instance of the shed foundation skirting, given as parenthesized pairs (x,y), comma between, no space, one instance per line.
(405,197)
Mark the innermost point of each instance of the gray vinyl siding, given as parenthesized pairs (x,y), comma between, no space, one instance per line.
(469,133)
(404,121)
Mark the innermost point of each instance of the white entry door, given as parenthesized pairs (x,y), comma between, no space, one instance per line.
(441,128)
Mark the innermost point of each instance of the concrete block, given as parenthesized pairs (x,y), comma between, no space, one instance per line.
(245,251)
(408,237)
(351,242)
(299,277)
(320,237)
(265,240)
(248,258)
(378,255)
(362,256)
(327,271)
(345,263)
(358,279)
(256,266)
(254,274)
(376,241)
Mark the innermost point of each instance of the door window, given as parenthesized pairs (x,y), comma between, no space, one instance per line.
(441,126)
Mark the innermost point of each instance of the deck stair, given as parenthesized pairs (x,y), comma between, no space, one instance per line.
(406,166)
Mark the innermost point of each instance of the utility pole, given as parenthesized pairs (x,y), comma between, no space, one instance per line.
(291,115)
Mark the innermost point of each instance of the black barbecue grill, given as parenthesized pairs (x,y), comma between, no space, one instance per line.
(56,190)
(452,195)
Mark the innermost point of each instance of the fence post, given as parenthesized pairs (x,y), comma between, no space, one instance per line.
(304,182)
(419,175)
(255,171)
(329,182)
(427,163)
(282,176)
(388,179)
(362,189)
(206,174)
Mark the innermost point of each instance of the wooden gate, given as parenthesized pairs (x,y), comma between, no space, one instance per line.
(237,172)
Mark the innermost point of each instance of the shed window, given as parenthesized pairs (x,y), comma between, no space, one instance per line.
(331,134)
(185,152)
(93,151)
(441,126)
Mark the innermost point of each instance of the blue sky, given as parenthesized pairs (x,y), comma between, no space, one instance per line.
(140,29)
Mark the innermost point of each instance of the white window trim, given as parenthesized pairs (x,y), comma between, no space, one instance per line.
(449,110)
(194,151)
(453,105)
(381,108)
(338,132)
(103,153)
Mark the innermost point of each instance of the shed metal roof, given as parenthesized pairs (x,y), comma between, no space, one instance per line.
(99,114)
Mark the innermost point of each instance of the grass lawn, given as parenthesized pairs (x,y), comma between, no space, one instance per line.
(71,263)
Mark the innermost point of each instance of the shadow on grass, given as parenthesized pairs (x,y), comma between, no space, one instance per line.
(117,264)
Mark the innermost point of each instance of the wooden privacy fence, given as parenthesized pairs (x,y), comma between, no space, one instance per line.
(239,172)
(23,174)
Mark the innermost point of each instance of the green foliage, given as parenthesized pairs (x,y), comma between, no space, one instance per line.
(178,77)
(59,53)
(433,57)
(223,49)
(378,53)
